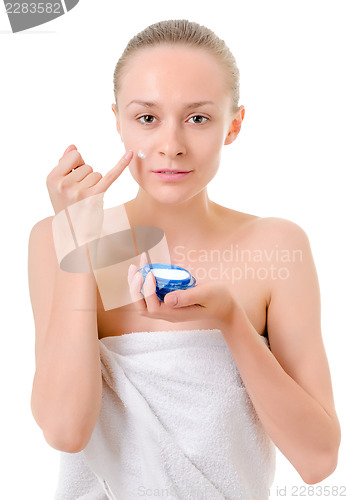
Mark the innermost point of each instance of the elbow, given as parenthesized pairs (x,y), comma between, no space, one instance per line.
(69,443)
(317,472)
(67,435)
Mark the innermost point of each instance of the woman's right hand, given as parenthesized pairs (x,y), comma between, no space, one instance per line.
(72,182)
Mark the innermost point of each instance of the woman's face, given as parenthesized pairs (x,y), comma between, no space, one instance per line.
(174,106)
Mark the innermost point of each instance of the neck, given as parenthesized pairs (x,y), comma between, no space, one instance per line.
(189,219)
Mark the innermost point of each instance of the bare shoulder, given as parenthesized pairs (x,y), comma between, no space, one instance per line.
(283,245)
(41,225)
(266,230)
(280,226)
(44,222)
(41,245)
(279,231)
(262,233)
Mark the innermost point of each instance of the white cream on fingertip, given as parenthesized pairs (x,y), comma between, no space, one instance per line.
(141,154)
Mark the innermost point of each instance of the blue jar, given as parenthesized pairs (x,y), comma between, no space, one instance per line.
(168,278)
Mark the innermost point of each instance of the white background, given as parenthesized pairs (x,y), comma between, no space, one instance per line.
(289,161)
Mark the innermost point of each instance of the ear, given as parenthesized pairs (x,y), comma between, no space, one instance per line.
(118,126)
(235,125)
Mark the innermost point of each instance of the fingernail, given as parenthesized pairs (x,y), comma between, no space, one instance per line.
(68,148)
(131,267)
(128,155)
(172,300)
(150,284)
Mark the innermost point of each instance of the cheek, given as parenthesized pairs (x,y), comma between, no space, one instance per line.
(132,135)
(131,141)
(209,151)
(135,169)
(140,168)
(210,145)
(141,145)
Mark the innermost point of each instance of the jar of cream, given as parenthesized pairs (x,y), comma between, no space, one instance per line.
(168,278)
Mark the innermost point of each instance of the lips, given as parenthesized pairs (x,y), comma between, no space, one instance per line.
(173,175)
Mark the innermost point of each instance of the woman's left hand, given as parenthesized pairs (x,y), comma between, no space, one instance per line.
(212,300)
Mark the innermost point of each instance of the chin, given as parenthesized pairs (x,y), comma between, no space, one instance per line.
(170,196)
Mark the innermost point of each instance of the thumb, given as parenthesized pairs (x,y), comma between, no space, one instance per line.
(197,295)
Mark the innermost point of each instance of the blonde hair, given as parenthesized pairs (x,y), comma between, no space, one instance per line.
(181,31)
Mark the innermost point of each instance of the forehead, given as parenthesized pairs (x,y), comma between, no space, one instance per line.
(178,72)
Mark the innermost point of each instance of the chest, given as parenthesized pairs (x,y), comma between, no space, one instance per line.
(219,263)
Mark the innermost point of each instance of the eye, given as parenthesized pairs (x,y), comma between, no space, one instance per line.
(198,119)
(146,119)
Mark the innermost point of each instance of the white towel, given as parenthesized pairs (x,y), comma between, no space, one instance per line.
(77,481)
(176,422)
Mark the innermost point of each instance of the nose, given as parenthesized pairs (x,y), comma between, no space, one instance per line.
(172,141)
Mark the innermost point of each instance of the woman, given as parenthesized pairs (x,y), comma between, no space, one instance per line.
(196,389)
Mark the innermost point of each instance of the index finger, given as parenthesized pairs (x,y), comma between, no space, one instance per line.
(110,177)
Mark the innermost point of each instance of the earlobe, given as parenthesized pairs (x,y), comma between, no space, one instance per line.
(230,136)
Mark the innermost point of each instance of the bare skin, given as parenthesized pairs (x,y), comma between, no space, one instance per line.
(290,386)
(160,111)
(67,386)
(203,258)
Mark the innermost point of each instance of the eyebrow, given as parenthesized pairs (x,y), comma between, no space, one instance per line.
(149,104)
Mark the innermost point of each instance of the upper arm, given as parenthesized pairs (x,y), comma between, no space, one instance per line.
(42,265)
(294,314)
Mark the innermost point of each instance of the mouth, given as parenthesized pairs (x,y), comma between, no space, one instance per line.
(171,171)
(171,175)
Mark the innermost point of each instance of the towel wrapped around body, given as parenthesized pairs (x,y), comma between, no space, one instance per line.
(175,422)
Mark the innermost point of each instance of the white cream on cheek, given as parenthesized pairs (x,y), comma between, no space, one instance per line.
(141,154)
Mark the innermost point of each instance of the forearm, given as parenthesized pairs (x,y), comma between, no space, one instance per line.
(297,424)
(67,385)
